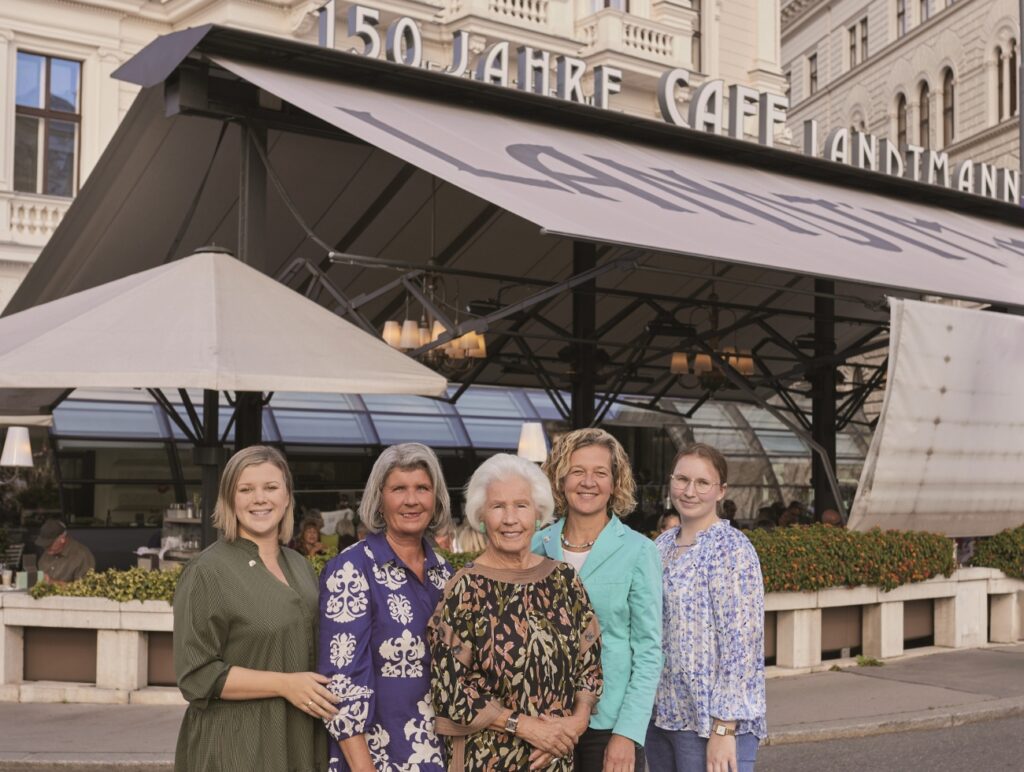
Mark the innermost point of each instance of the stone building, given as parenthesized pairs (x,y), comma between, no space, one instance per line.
(59,106)
(940,74)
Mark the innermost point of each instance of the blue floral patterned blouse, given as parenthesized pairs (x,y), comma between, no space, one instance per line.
(373,647)
(714,634)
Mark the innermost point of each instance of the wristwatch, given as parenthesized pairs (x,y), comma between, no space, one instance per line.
(722,730)
(512,723)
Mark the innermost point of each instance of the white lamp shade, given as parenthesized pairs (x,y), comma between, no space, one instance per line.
(17,448)
(533,445)
(410,334)
(746,360)
(479,350)
(424,335)
(437,331)
(680,363)
(392,333)
(701,364)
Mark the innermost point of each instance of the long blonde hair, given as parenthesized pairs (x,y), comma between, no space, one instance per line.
(224,516)
(623,498)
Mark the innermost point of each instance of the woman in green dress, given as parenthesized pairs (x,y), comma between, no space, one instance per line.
(245,616)
(515,646)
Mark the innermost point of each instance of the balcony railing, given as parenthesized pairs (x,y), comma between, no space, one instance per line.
(30,219)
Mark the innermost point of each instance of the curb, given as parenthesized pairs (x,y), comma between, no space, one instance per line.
(931,719)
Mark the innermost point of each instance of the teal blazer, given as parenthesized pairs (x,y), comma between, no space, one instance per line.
(622,575)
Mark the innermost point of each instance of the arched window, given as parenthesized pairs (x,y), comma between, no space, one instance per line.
(1000,84)
(901,121)
(947,107)
(924,126)
(1014,56)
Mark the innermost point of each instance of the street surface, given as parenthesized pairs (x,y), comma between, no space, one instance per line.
(990,746)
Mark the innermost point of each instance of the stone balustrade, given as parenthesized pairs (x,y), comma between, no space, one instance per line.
(609,30)
(30,219)
(973,607)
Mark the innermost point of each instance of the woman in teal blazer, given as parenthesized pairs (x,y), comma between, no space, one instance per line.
(592,481)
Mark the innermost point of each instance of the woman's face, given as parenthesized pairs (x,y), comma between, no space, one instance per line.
(510,516)
(260,502)
(407,502)
(691,473)
(311,534)
(588,483)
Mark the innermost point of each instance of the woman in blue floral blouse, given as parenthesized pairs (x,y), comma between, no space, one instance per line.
(376,598)
(709,714)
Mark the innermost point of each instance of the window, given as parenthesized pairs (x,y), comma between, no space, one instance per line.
(619,5)
(1000,85)
(901,18)
(853,45)
(46,125)
(924,121)
(947,108)
(901,121)
(926,10)
(863,39)
(812,74)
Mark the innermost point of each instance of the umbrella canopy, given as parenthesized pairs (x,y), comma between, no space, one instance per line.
(207,321)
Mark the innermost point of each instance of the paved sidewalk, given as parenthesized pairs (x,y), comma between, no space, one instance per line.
(914,692)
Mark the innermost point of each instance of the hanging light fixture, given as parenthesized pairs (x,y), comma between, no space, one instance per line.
(532,443)
(410,337)
(17,451)
(392,334)
(680,364)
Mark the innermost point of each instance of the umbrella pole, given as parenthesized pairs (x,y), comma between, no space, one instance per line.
(208,456)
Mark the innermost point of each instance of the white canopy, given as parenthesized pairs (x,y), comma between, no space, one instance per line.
(948,453)
(207,321)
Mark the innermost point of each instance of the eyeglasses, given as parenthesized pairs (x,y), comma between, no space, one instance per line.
(682,482)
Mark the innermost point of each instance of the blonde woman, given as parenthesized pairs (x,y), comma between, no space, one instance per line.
(593,485)
(245,633)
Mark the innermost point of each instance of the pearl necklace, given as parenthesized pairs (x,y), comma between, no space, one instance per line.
(570,545)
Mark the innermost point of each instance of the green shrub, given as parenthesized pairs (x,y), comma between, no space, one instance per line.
(808,558)
(122,586)
(1004,551)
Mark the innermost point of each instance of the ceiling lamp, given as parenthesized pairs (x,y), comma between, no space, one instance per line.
(392,334)
(533,444)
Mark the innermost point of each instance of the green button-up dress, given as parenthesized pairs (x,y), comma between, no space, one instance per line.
(230,610)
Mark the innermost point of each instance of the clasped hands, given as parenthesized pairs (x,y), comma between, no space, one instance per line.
(551,736)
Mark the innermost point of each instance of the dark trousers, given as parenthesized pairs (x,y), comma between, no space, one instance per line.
(590,751)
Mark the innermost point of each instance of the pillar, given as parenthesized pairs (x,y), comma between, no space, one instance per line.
(12,654)
(823,397)
(1005,623)
(584,324)
(122,659)
(962,620)
(882,632)
(798,638)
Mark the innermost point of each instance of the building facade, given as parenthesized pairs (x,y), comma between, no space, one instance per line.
(59,105)
(938,74)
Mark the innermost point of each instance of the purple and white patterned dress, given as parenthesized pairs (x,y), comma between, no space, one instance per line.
(714,634)
(373,647)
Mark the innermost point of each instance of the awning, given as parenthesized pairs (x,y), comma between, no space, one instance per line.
(205,322)
(948,453)
(583,185)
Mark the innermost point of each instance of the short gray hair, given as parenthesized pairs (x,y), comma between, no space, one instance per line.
(502,467)
(406,456)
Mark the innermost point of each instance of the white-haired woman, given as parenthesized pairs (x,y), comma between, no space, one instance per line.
(245,633)
(375,600)
(516,652)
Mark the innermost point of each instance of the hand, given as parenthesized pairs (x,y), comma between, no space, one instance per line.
(540,759)
(547,734)
(619,754)
(306,691)
(721,753)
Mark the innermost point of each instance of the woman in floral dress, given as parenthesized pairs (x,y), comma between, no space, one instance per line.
(515,642)
(709,713)
(375,600)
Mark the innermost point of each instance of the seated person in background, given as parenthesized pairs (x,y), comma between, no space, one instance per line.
(444,539)
(667,522)
(468,538)
(729,511)
(64,559)
(308,541)
(831,517)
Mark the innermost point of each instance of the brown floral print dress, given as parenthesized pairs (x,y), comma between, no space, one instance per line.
(526,640)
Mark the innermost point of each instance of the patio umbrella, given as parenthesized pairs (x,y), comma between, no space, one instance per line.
(207,321)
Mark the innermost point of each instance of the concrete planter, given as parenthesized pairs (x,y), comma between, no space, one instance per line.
(973,607)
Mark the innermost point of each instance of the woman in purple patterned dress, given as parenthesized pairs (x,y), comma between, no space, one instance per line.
(376,598)
(709,713)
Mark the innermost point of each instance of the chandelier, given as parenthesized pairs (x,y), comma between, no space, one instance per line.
(706,367)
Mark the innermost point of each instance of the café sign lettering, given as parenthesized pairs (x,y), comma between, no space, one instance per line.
(713,107)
